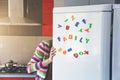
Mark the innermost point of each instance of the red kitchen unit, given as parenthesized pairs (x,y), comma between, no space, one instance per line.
(28,78)
(47,20)
(17,79)
(11,79)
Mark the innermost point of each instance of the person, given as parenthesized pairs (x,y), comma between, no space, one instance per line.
(41,59)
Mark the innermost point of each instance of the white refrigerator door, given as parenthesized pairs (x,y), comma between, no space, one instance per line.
(116,44)
(81,36)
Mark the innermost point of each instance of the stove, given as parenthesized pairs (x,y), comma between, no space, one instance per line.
(13,69)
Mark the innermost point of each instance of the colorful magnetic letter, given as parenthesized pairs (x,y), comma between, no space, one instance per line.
(84,21)
(87,30)
(59,26)
(64,39)
(67,27)
(75,55)
(80,30)
(81,53)
(59,49)
(86,52)
(75,37)
(90,25)
(72,17)
(66,20)
(87,40)
(81,39)
(64,52)
(70,49)
(59,39)
(76,24)
(70,36)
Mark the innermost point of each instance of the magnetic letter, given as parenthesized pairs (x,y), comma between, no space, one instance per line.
(67,27)
(70,36)
(84,21)
(64,52)
(72,17)
(87,40)
(81,39)
(70,49)
(59,39)
(59,25)
(76,24)
(86,52)
(75,55)
(75,37)
(59,49)
(64,39)
(81,53)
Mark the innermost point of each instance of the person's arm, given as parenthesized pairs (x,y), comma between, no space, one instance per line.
(49,60)
(31,67)
(35,62)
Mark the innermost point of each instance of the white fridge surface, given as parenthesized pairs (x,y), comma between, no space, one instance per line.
(81,36)
(86,8)
(116,6)
(116,45)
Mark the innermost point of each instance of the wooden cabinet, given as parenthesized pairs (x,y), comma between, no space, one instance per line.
(47,20)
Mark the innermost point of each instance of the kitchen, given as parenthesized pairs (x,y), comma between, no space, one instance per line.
(20,26)
(20,36)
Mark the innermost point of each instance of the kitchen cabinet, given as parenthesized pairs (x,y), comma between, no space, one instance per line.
(3,8)
(32,10)
(11,78)
(47,8)
(17,79)
(28,78)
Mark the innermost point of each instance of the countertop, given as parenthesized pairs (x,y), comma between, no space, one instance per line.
(16,75)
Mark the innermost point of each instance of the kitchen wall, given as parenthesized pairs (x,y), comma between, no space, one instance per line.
(19,30)
(18,48)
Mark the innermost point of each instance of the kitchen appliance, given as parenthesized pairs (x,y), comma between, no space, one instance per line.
(116,45)
(12,67)
(81,36)
(16,14)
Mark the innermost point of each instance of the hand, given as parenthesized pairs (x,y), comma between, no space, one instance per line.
(49,60)
(52,53)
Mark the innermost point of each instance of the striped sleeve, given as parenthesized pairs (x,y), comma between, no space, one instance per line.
(35,63)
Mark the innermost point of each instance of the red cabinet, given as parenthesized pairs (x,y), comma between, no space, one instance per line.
(17,79)
(28,78)
(12,79)
(47,20)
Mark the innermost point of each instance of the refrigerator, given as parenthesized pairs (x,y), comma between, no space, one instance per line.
(116,44)
(81,36)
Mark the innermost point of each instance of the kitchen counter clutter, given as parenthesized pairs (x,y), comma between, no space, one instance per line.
(12,67)
(16,75)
